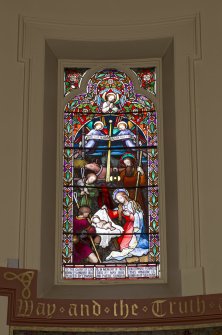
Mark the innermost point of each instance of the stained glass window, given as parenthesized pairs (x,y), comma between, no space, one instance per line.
(72,79)
(147,78)
(111,187)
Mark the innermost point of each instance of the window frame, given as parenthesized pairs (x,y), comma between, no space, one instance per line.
(62,101)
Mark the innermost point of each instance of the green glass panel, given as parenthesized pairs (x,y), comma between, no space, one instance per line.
(67,225)
(154,250)
(67,175)
(67,251)
(67,200)
(152,127)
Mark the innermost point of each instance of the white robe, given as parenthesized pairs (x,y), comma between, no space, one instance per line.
(106,234)
(138,246)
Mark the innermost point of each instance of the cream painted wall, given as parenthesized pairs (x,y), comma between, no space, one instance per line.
(208,93)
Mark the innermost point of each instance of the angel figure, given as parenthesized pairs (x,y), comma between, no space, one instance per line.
(109,105)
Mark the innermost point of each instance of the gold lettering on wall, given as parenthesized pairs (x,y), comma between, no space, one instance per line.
(191,306)
(25,308)
(51,308)
(182,307)
(96,308)
(160,308)
(124,310)
(84,310)
(115,309)
(201,306)
(157,308)
(220,305)
(40,309)
(172,304)
(135,309)
(72,310)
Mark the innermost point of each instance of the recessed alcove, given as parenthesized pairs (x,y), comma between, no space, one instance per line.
(39,227)
(54,50)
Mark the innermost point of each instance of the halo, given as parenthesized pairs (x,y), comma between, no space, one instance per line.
(120,123)
(127,155)
(118,190)
(110,93)
(99,122)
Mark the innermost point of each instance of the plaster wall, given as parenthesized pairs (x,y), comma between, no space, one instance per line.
(208,73)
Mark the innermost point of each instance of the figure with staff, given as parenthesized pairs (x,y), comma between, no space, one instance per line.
(132,176)
(87,192)
(84,235)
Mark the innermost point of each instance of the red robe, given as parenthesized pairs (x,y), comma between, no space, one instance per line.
(128,227)
(82,248)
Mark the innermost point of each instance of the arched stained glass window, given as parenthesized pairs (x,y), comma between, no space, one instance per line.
(110,185)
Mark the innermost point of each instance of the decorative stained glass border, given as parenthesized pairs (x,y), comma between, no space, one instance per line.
(111,100)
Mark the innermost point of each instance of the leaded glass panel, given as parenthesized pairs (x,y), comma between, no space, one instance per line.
(72,79)
(110,181)
(147,78)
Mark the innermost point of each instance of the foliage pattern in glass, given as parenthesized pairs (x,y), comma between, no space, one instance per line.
(72,79)
(147,78)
